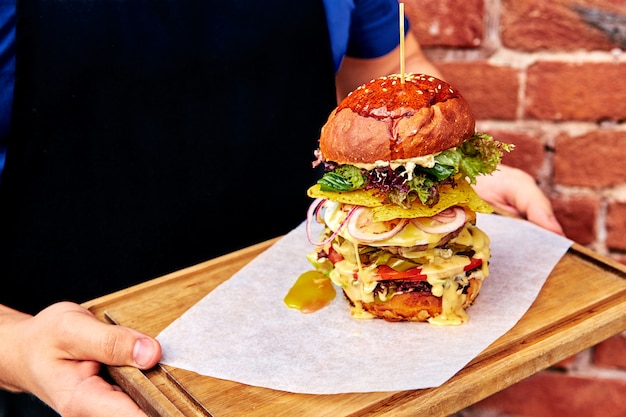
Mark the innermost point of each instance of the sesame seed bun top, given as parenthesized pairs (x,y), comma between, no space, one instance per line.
(389,120)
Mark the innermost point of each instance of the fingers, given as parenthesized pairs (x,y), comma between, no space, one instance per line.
(94,397)
(530,201)
(545,218)
(515,191)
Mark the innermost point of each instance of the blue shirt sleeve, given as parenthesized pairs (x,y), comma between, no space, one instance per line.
(7,62)
(362,28)
(7,70)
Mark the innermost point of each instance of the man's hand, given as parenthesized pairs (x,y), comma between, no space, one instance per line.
(514,191)
(56,355)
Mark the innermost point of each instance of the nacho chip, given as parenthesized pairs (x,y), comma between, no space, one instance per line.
(365,198)
(461,195)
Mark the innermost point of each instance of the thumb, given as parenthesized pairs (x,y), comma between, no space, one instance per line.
(91,339)
(146,352)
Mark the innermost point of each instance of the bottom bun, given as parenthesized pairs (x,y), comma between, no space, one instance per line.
(415,306)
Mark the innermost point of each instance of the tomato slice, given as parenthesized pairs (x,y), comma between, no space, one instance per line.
(385,272)
(474,263)
(334,256)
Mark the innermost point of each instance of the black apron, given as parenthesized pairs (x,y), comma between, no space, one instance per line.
(150,135)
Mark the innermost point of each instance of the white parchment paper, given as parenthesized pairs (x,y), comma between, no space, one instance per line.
(242,331)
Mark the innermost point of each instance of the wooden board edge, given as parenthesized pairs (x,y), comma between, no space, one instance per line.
(151,400)
(601,261)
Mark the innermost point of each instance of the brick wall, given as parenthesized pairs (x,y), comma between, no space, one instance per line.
(550,77)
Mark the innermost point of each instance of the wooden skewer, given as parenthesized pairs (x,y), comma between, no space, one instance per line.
(402,43)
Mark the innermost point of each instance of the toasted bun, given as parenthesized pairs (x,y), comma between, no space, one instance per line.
(416,306)
(387,120)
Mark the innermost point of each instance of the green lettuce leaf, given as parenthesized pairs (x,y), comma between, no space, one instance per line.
(344,178)
(479,155)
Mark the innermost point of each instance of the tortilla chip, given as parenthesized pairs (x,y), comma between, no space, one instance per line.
(358,198)
(461,195)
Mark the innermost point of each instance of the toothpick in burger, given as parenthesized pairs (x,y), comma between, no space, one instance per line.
(400,155)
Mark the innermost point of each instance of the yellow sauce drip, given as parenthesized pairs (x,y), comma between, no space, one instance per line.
(452,299)
(311,292)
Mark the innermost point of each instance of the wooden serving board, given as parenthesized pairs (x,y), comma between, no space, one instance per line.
(582,303)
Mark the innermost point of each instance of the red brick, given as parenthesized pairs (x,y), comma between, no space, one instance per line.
(595,159)
(576,91)
(562,25)
(529,153)
(447,23)
(616,227)
(550,394)
(611,353)
(491,91)
(577,215)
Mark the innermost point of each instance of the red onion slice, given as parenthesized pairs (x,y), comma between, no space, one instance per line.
(313,213)
(445,222)
(362,227)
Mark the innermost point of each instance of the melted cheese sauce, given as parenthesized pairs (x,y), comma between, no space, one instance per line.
(409,236)
(444,270)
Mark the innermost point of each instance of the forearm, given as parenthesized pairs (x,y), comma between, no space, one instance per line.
(354,72)
(416,61)
(10,321)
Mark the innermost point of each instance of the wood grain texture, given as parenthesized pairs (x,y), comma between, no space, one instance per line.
(582,303)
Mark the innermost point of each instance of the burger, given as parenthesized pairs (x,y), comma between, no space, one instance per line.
(395,199)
